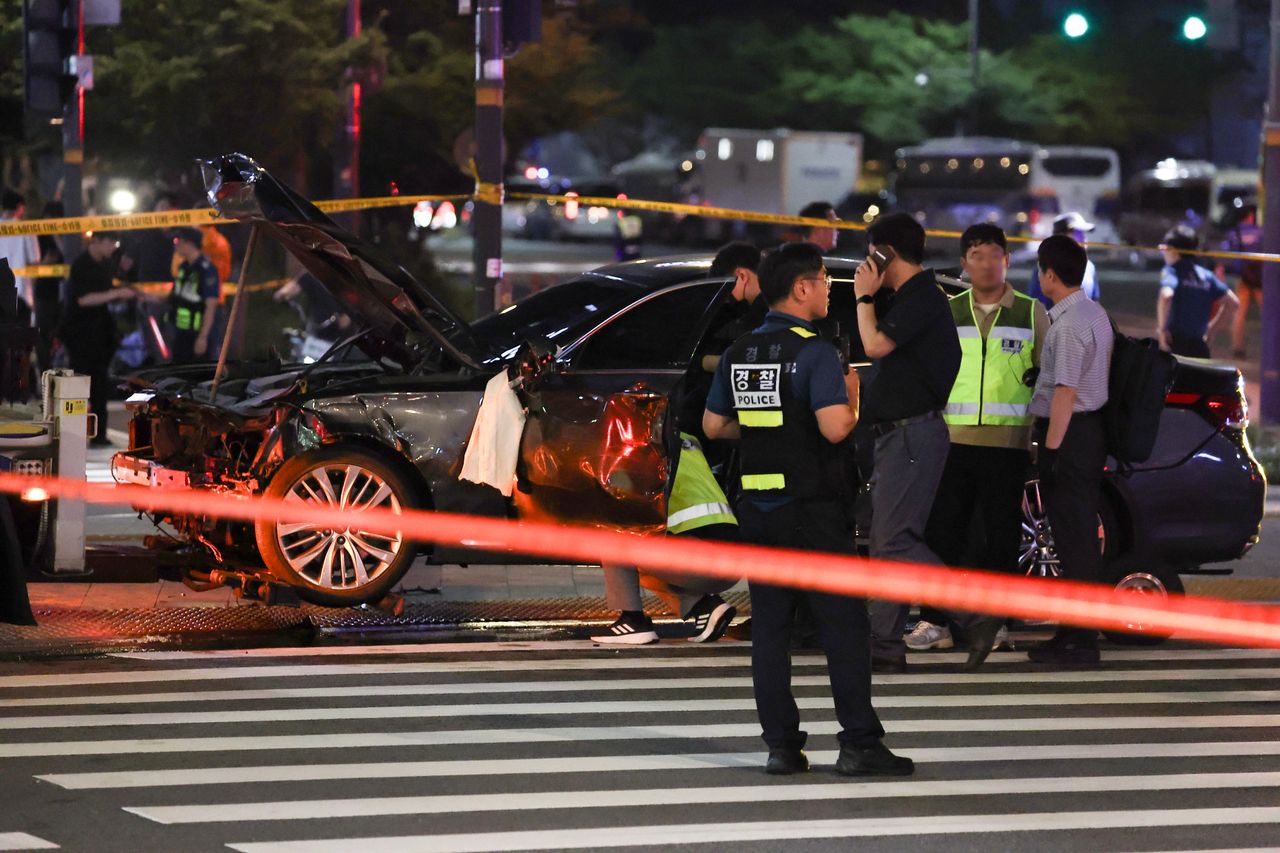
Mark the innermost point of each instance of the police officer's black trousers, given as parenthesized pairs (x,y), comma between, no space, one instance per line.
(842,627)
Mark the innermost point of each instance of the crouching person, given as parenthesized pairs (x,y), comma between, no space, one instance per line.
(696,507)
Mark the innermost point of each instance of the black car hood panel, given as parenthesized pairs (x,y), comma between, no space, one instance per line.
(404,319)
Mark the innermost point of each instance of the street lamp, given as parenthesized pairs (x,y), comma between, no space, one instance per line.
(1194,28)
(1075,25)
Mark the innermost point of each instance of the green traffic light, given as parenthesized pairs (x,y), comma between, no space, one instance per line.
(1194,28)
(1075,25)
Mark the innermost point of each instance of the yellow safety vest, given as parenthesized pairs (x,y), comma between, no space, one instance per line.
(989,389)
(696,498)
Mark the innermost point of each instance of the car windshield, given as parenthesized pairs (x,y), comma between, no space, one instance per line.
(560,313)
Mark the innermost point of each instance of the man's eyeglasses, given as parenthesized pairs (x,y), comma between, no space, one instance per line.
(823,277)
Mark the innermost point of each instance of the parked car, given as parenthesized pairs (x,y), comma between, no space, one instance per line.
(625,345)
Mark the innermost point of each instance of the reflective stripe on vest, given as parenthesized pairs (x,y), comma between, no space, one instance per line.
(989,390)
(696,498)
(763,482)
(760,417)
(678,522)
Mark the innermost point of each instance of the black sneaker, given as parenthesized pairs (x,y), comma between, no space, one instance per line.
(889,664)
(711,618)
(1068,655)
(982,638)
(785,762)
(628,631)
(872,761)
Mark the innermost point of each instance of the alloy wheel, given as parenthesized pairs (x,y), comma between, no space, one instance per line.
(347,558)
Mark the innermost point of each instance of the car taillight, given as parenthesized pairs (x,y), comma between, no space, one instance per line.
(1224,411)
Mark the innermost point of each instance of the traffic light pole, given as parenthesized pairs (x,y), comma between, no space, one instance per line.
(1270,390)
(73,137)
(487,213)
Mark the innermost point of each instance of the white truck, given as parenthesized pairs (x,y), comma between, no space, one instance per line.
(776,171)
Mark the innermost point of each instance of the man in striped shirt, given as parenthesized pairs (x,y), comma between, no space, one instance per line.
(1067,404)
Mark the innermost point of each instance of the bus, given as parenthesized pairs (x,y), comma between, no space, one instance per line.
(950,184)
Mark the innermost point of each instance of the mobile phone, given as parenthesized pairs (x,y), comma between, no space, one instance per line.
(881,257)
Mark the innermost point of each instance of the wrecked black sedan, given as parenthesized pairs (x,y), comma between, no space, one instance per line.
(612,359)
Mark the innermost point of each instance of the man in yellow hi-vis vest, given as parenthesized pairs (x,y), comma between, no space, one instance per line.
(1001,331)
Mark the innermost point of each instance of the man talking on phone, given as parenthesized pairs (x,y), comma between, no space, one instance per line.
(918,350)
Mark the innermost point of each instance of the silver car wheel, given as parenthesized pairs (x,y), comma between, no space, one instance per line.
(339,559)
(1143,583)
(1038,556)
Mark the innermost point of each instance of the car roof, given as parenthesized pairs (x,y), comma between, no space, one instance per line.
(657,273)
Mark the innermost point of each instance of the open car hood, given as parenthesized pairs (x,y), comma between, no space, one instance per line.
(403,318)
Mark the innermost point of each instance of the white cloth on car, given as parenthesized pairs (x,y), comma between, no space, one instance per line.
(494,446)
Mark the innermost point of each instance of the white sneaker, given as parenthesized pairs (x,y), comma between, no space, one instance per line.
(926,635)
(1002,640)
(628,632)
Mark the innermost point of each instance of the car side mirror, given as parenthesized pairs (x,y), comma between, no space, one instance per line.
(535,358)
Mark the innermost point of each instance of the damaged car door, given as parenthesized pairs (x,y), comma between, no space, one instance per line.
(593,450)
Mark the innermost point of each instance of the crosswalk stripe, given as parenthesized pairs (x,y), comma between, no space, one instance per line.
(724,833)
(604,661)
(24,841)
(197,776)
(612,685)
(629,706)
(629,798)
(1163,653)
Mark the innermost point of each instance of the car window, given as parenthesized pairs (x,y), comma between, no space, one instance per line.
(656,333)
(561,313)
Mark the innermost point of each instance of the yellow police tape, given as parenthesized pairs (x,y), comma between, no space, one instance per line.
(492,194)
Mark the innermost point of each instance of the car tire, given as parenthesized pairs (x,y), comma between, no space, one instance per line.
(337,568)
(1036,555)
(1160,583)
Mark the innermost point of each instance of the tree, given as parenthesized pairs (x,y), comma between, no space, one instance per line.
(182,79)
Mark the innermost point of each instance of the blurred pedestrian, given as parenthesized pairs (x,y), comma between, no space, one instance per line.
(193,304)
(21,250)
(1244,236)
(48,289)
(88,330)
(919,356)
(1076,227)
(989,422)
(824,237)
(1192,299)
(1071,442)
(782,391)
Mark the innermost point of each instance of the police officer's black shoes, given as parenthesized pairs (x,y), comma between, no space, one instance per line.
(982,638)
(711,617)
(872,761)
(784,761)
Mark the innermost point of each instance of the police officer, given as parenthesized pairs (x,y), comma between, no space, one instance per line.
(782,391)
(193,305)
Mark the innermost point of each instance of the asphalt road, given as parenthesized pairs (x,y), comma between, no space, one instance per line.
(565,746)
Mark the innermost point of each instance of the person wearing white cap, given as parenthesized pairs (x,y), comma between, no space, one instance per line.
(1074,226)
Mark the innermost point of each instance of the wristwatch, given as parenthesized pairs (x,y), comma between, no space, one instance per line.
(866,299)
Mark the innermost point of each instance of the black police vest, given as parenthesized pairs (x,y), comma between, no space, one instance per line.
(783,453)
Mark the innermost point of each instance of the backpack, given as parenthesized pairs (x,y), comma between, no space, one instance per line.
(1141,376)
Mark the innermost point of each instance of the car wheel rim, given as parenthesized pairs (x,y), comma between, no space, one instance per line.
(347,558)
(1038,556)
(1146,584)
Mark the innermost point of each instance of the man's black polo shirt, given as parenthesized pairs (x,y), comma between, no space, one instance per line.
(917,376)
